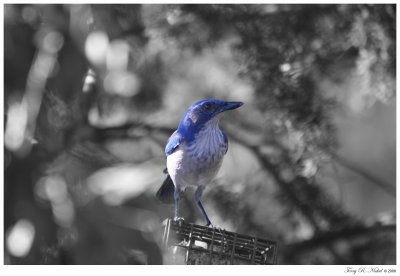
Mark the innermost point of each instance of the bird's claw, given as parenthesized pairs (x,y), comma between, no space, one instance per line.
(210,225)
(179,220)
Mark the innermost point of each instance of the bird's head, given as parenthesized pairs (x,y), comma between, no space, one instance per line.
(202,112)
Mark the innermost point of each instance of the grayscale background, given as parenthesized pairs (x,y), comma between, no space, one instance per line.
(92,93)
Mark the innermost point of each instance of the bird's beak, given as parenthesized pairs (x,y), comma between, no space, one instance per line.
(230,106)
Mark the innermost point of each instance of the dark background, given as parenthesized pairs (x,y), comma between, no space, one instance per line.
(92,93)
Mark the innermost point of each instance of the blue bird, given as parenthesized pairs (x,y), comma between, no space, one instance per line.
(195,151)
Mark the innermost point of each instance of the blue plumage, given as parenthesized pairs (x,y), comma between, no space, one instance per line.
(195,150)
(173,142)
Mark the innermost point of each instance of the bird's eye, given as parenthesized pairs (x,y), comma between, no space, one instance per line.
(207,106)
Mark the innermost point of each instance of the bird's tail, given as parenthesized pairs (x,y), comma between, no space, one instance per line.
(166,192)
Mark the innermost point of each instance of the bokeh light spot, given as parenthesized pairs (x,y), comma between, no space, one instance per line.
(53,42)
(55,188)
(64,212)
(20,238)
(16,124)
(96,47)
(29,14)
(285,67)
(119,183)
(118,55)
(122,83)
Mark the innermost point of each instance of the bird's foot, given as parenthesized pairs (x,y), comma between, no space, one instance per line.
(219,229)
(180,220)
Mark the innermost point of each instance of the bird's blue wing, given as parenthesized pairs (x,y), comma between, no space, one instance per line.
(173,142)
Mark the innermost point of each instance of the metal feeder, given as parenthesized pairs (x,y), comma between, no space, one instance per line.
(205,245)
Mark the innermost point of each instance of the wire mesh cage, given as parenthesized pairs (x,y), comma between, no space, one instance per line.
(188,243)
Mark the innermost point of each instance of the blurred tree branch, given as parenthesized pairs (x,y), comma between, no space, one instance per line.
(352,236)
(388,188)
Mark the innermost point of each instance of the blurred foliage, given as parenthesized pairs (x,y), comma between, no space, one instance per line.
(92,93)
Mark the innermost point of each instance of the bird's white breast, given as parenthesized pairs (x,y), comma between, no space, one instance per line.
(198,162)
